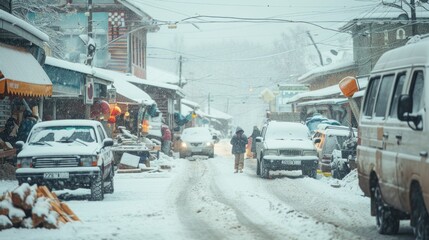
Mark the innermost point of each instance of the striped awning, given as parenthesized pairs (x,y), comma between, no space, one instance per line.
(21,74)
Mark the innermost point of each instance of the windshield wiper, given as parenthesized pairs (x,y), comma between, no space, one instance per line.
(80,141)
(40,143)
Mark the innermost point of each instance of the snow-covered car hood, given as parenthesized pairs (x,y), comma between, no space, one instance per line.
(58,149)
(304,144)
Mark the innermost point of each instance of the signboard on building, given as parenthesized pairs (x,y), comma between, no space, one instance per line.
(111,93)
(89,91)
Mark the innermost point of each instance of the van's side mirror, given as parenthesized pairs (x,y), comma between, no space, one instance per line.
(405,106)
(258,139)
(317,140)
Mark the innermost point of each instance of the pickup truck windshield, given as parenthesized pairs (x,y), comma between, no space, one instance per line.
(63,134)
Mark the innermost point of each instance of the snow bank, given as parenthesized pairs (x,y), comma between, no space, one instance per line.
(349,183)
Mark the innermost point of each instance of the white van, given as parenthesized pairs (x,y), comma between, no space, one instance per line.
(393,138)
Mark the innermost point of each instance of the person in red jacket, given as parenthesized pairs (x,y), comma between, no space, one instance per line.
(166,139)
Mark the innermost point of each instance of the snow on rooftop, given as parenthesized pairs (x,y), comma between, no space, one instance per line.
(331,91)
(326,68)
(158,75)
(190,103)
(24,25)
(119,79)
(214,113)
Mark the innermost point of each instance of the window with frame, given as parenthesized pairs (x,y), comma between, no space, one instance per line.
(100,131)
(383,95)
(370,97)
(399,85)
(416,91)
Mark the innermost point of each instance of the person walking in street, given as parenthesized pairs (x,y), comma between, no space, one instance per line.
(166,139)
(238,142)
(256,133)
(26,125)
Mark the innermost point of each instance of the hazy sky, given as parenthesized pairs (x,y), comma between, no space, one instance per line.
(191,37)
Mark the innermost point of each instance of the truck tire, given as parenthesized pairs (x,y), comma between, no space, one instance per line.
(419,215)
(386,217)
(97,193)
(110,188)
(265,172)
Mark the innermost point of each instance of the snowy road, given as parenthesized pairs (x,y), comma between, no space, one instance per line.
(204,199)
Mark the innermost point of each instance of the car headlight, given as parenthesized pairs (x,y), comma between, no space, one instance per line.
(208,144)
(271,152)
(88,161)
(26,162)
(309,153)
(184,145)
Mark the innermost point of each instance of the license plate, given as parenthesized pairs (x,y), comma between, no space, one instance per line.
(56,175)
(292,162)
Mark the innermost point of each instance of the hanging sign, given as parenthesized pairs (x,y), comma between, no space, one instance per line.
(89,91)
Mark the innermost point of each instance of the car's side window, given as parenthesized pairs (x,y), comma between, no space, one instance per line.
(370,96)
(416,91)
(383,95)
(101,133)
(400,80)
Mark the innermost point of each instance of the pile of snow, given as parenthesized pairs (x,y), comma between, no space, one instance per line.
(163,163)
(349,183)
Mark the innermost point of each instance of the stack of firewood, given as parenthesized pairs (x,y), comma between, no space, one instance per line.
(31,206)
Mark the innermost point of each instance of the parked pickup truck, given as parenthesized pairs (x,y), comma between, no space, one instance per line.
(67,154)
(285,146)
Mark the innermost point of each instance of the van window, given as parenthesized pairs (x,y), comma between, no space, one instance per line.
(383,95)
(417,91)
(370,97)
(400,80)
(100,131)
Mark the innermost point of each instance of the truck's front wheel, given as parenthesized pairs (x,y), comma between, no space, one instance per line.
(265,172)
(97,193)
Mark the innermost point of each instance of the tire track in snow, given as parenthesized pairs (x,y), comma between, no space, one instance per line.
(318,205)
(197,227)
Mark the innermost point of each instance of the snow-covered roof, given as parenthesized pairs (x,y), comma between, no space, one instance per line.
(137,80)
(335,67)
(77,67)
(185,110)
(119,79)
(190,103)
(323,102)
(331,92)
(23,25)
(214,113)
(159,75)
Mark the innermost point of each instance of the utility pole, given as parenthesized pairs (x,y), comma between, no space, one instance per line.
(208,105)
(180,71)
(89,57)
(227,105)
(413,17)
(317,49)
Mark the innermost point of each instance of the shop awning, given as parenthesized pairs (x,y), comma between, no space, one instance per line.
(21,74)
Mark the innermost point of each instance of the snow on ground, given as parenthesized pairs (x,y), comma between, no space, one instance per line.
(204,199)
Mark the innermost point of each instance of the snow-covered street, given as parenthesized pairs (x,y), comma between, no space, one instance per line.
(204,199)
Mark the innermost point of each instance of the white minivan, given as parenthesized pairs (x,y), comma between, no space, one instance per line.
(393,139)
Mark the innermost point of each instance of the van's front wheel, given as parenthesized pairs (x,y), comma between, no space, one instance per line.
(420,215)
(386,218)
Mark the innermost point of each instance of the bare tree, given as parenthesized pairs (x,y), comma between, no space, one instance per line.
(292,56)
(42,14)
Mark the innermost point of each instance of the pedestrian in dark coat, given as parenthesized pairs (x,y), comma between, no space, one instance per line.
(238,142)
(256,133)
(26,125)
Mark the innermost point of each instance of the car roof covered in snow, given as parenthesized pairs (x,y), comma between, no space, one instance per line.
(68,122)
